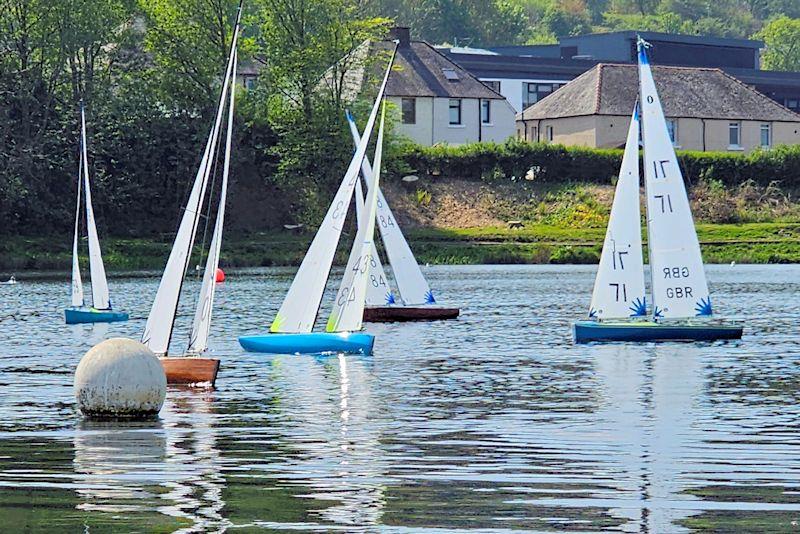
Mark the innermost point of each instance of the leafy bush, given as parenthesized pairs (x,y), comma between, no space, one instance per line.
(546,163)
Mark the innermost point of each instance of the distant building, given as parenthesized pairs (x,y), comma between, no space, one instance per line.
(526,74)
(438,101)
(706,110)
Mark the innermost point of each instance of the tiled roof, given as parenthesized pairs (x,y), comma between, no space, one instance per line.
(612,89)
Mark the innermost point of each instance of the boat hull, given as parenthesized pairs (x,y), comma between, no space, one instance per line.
(312,343)
(386,314)
(588,331)
(79,316)
(189,370)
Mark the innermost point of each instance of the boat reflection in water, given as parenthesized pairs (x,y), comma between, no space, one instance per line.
(171,464)
(331,438)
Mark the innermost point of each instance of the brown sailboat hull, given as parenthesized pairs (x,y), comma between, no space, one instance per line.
(386,314)
(190,370)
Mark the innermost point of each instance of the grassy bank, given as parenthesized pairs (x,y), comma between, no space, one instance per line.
(535,243)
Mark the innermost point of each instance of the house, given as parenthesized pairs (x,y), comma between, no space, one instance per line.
(526,74)
(706,109)
(437,100)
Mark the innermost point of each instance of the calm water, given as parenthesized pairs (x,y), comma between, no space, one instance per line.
(492,422)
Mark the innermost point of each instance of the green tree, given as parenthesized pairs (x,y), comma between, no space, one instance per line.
(782,39)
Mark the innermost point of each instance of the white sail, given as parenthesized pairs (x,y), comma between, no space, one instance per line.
(619,285)
(378,291)
(301,304)
(198,341)
(77,283)
(348,308)
(411,283)
(676,265)
(158,330)
(100,297)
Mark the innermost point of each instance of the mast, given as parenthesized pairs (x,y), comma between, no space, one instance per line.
(77,283)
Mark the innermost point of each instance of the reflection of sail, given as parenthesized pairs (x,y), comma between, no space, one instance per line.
(191,445)
(120,465)
(337,454)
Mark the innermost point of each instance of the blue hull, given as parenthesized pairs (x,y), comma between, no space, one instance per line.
(79,316)
(314,343)
(587,331)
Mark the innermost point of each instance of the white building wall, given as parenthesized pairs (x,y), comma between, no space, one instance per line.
(513,89)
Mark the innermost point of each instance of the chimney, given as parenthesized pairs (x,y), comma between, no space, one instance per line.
(402,34)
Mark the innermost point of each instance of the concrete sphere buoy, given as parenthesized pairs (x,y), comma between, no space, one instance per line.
(120,378)
(219,276)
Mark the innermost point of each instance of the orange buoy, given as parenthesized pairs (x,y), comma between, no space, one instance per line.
(220,277)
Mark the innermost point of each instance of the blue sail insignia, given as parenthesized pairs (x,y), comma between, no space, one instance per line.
(639,307)
(390,297)
(657,312)
(429,297)
(592,313)
(703,307)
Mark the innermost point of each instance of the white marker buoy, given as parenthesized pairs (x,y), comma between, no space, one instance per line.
(120,378)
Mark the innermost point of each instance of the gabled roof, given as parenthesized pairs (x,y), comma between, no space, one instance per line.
(421,70)
(612,89)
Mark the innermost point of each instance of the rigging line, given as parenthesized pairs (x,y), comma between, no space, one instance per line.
(214,173)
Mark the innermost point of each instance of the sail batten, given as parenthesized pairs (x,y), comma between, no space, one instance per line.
(100,296)
(411,283)
(619,289)
(348,308)
(300,307)
(678,277)
(160,321)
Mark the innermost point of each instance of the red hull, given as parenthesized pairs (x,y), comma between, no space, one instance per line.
(190,370)
(386,314)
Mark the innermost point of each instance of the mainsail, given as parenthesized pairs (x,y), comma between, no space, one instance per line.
(301,304)
(411,283)
(348,308)
(100,297)
(676,265)
(77,284)
(378,291)
(158,330)
(198,341)
(619,285)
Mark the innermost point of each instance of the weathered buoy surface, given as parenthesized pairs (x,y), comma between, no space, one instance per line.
(120,378)
(220,275)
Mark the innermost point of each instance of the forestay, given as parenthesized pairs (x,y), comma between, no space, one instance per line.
(77,284)
(100,297)
(619,286)
(378,291)
(411,283)
(301,304)
(676,265)
(158,330)
(348,308)
(198,340)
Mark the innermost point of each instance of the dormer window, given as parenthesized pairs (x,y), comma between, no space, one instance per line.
(451,75)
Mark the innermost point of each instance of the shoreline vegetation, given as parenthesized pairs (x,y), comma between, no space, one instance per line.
(534,243)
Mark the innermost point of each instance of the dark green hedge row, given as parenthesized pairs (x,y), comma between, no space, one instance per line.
(557,163)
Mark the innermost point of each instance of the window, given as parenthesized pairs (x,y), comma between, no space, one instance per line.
(534,133)
(548,132)
(766,135)
(792,104)
(486,111)
(734,135)
(249,82)
(455,112)
(450,74)
(409,109)
(492,84)
(533,92)
(672,129)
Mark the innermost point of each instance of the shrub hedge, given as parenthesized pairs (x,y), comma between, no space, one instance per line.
(557,163)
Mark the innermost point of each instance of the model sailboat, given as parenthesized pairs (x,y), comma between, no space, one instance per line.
(100,311)
(681,300)
(291,331)
(191,367)
(417,302)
